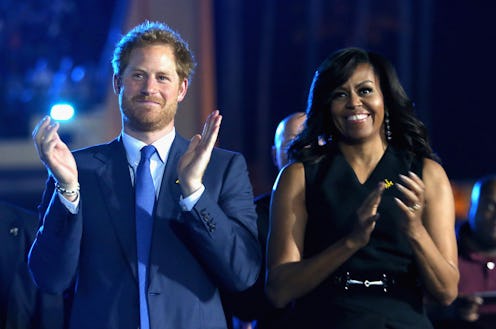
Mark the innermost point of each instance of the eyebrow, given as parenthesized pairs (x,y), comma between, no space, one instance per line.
(143,70)
(365,82)
(357,85)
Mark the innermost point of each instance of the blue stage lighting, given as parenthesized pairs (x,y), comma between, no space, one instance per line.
(62,112)
(78,73)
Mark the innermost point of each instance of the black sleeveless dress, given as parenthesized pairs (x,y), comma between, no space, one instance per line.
(333,195)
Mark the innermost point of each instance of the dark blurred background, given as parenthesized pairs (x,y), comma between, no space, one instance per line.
(256,61)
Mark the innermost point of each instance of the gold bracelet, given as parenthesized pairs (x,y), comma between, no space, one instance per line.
(66,189)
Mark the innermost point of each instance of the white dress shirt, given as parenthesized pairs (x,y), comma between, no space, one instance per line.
(158,160)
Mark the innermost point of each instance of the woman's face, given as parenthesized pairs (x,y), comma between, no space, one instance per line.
(357,106)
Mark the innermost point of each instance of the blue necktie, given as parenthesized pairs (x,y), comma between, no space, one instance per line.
(145,200)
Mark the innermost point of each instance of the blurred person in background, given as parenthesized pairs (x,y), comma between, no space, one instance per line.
(22,305)
(251,308)
(475,306)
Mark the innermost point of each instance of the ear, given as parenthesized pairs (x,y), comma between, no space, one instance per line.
(117,83)
(183,88)
(274,156)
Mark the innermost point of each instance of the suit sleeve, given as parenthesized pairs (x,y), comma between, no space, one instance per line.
(54,255)
(221,228)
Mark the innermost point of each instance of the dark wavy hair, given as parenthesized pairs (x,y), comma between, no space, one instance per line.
(154,33)
(408,132)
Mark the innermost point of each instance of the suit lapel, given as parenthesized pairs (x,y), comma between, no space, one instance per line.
(170,190)
(167,205)
(118,192)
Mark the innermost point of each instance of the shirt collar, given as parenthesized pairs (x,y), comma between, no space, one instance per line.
(133,147)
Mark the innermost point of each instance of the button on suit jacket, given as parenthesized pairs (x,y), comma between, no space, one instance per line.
(192,253)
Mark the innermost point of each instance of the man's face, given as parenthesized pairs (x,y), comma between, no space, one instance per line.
(484,222)
(285,133)
(150,89)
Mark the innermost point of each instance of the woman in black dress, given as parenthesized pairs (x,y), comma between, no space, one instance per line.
(362,222)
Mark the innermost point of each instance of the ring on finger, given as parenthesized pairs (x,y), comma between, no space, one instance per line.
(415,207)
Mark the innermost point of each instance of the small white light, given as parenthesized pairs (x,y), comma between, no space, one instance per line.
(62,112)
(490,265)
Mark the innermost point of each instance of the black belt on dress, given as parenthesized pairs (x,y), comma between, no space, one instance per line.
(373,282)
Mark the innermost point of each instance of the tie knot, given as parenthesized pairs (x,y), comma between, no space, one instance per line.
(147,151)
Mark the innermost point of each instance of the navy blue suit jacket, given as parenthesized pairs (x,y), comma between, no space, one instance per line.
(192,253)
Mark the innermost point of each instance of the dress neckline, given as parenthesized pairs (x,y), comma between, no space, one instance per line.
(372,172)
